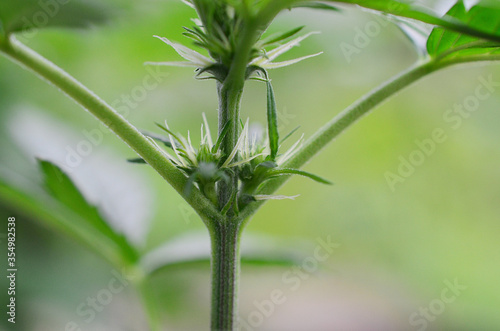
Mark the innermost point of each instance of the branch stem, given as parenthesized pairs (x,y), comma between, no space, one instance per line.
(47,70)
(340,123)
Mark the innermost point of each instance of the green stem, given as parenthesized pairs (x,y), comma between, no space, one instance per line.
(340,123)
(229,111)
(225,240)
(225,233)
(353,113)
(111,118)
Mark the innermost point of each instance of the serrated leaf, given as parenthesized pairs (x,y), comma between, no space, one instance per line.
(23,15)
(288,172)
(272,121)
(485,16)
(62,188)
(51,213)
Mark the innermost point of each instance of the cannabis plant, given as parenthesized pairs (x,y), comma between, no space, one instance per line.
(228,175)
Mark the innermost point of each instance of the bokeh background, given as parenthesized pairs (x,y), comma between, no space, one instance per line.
(397,247)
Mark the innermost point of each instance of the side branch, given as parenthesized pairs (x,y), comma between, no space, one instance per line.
(339,124)
(47,70)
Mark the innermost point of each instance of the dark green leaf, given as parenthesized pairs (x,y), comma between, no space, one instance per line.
(218,71)
(232,200)
(484,16)
(22,15)
(164,128)
(315,5)
(222,135)
(139,160)
(288,172)
(289,135)
(62,188)
(275,39)
(272,121)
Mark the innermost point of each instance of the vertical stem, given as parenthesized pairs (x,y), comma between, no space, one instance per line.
(225,234)
(229,110)
(225,275)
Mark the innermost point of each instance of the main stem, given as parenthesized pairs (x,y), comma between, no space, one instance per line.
(229,95)
(225,234)
(225,275)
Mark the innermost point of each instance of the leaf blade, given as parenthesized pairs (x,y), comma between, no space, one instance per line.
(316,5)
(56,216)
(62,188)
(443,43)
(288,172)
(272,121)
(408,10)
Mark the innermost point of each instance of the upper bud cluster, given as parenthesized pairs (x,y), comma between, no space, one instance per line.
(218,30)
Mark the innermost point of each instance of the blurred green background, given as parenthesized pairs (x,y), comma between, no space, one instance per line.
(397,247)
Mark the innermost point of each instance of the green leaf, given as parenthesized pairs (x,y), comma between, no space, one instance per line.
(23,15)
(288,172)
(315,5)
(62,188)
(138,160)
(275,39)
(51,213)
(272,121)
(485,15)
(222,135)
(289,135)
(409,10)
(167,130)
